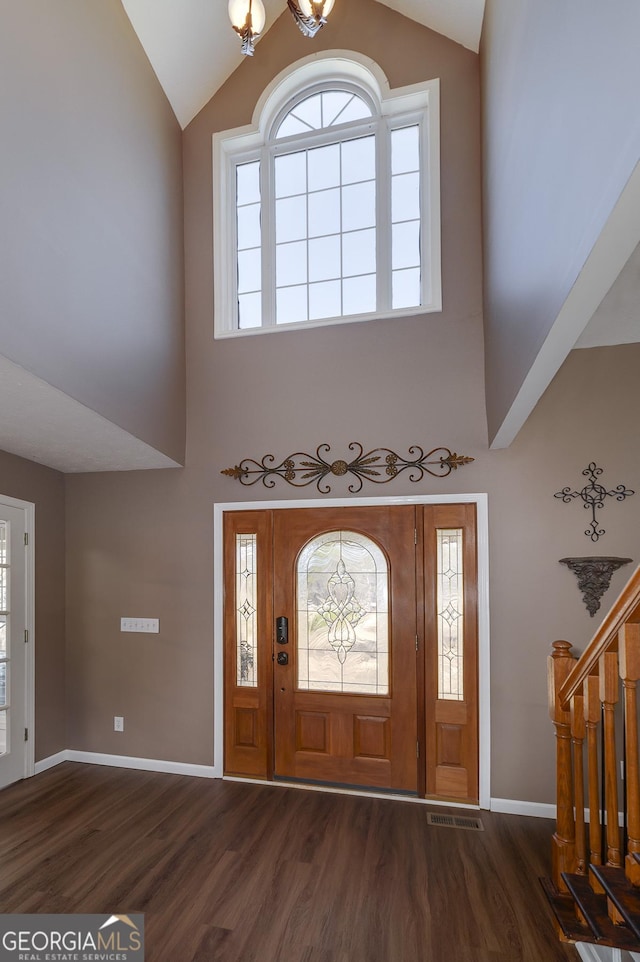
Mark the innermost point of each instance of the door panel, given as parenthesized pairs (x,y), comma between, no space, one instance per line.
(346,736)
(248,622)
(451,657)
(13,673)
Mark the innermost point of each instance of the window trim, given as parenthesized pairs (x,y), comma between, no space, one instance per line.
(253,140)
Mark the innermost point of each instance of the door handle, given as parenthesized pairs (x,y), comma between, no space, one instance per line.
(283,658)
(282,631)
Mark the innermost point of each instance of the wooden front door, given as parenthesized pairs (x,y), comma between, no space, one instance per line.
(345,692)
(351,647)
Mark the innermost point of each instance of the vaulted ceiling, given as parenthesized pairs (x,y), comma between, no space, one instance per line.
(193,49)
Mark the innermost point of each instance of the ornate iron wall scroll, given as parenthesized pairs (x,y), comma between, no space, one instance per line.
(379,465)
(594,576)
(593,495)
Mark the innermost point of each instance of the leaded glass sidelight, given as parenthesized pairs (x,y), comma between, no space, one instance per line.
(246,611)
(450,614)
(343,615)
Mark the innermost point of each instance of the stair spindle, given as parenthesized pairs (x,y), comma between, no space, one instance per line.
(592,715)
(577,738)
(608,664)
(629,647)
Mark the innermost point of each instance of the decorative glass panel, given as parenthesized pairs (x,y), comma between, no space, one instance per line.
(246,611)
(3,732)
(322,110)
(3,635)
(450,614)
(4,582)
(3,684)
(343,615)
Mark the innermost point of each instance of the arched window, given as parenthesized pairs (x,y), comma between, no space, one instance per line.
(328,210)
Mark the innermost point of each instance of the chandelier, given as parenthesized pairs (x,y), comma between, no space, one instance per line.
(248,18)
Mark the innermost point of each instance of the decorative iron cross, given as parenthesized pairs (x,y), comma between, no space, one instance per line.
(593,495)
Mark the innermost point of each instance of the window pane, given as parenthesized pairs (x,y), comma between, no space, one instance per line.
(359,160)
(405,197)
(406,288)
(290,126)
(405,150)
(343,615)
(450,617)
(248,183)
(249,234)
(3,635)
(291,219)
(4,579)
(358,206)
(359,252)
(249,311)
(309,112)
(406,244)
(291,174)
(3,542)
(356,109)
(3,732)
(291,305)
(291,263)
(324,213)
(324,167)
(324,300)
(246,611)
(324,258)
(333,103)
(359,294)
(249,267)
(3,683)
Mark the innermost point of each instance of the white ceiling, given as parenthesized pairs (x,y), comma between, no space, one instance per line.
(193,49)
(617,320)
(43,424)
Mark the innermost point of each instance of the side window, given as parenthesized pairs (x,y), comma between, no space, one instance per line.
(330,212)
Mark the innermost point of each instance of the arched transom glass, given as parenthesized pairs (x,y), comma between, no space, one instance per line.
(325,109)
(343,615)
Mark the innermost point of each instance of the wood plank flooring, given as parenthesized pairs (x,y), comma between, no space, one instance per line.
(229,872)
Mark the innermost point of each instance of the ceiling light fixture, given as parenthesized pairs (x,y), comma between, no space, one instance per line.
(248,18)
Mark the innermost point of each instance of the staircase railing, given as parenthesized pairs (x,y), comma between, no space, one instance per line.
(583,697)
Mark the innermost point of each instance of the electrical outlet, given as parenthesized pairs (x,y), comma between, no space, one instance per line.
(118,723)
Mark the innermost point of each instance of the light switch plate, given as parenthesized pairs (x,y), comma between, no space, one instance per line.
(140,624)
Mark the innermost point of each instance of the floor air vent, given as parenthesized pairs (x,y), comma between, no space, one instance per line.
(455,821)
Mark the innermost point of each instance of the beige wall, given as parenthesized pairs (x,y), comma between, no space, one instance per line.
(141,544)
(560,139)
(45,488)
(91,243)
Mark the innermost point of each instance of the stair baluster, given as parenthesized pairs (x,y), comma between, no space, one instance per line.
(609,697)
(592,715)
(577,738)
(629,647)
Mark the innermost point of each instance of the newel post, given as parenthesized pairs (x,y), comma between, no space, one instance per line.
(563,846)
(629,649)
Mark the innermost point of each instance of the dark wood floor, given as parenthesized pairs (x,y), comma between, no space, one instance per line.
(229,872)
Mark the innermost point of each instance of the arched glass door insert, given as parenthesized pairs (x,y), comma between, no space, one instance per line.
(342,589)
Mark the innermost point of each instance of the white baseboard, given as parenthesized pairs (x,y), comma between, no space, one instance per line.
(50,762)
(127,761)
(511,806)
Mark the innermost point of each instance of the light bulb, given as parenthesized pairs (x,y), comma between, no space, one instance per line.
(316,8)
(247,19)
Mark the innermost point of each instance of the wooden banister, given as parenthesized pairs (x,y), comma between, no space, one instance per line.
(625,610)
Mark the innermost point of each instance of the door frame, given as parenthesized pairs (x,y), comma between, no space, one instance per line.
(484,676)
(29,510)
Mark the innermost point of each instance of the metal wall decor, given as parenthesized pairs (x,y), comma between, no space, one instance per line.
(594,576)
(594,494)
(379,465)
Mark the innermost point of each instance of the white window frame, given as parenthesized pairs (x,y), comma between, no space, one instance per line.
(399,107)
